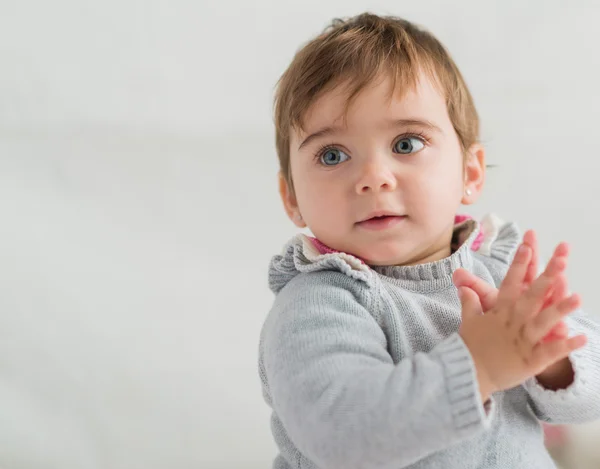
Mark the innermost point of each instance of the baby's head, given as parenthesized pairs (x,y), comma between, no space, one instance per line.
(377,137)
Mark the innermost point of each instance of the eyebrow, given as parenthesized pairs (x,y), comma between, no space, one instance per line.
(417,123)
(394,123)
(318,134)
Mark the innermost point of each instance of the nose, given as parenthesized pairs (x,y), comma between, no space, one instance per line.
(376,176)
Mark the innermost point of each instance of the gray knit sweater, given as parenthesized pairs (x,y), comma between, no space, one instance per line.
(364,368)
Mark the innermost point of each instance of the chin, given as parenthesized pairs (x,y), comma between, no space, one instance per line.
(385,256)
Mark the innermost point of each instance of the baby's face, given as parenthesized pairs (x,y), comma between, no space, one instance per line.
(385,183)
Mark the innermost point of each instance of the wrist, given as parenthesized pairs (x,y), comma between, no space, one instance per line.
(484,382)
(485,390)
(557,376)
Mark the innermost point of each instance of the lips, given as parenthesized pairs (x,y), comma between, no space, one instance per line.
(381,221)
(380,215)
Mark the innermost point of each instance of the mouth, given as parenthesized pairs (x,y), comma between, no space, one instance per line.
(380,214)
(381,220)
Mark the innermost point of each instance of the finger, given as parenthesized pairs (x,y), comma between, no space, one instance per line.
(559,290)
(469,302)
(547,354)
(553,337)
(533,299)
(561,251)
(487,293)
(510,289)
(559,332)
(544,322)
(530,239)
(560,329)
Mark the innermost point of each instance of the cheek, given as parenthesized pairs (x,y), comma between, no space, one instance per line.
(320,199)
(317,189)
(302,184)
(438,187)
(449,171)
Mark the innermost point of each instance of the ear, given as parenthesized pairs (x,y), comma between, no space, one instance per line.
(474,174)
(289,202)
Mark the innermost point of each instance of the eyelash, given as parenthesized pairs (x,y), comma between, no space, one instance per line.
(332,146)
(419,135)
(325,148)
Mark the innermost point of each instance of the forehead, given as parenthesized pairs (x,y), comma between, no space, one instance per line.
(380,99)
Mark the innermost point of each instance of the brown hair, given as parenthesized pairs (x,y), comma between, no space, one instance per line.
(355,51)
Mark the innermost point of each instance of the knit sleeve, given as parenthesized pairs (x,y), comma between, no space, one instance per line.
(580,402)
(339,395)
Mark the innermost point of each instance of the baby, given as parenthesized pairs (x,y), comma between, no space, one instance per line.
(403,335)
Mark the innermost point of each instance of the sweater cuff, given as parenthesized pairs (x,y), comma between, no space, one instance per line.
(467,411)
(552,397)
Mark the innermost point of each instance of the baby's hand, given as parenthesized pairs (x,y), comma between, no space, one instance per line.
(558,291)
(506,343)
(488,293)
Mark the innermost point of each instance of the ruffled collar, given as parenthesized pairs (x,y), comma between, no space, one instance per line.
(307,254)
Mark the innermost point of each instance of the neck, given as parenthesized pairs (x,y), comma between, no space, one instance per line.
(436,255)
(440,249)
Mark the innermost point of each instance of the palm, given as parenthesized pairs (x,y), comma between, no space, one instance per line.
(488,294)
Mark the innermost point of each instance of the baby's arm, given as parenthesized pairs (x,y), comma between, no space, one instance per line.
(568,391)
(580,401)
(343,401)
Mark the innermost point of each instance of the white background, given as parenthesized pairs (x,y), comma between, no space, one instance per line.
(139,208)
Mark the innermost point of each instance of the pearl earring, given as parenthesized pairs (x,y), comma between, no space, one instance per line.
(298,217)
(468,192)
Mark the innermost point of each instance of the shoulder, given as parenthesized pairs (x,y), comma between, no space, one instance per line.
(318,291)
(500,239)
(318,311)
(301,256)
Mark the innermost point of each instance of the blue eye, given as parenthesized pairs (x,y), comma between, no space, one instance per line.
(408,145)
(333,156)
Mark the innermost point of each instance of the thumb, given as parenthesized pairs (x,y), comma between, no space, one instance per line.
(471,306)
